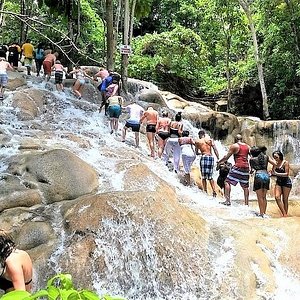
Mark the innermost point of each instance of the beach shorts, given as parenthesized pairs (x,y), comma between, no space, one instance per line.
(207,166)
(58,77)
(261,181)
(134,126)
(114,111)
(47,67)
(238,175)
(3,79)
(28,62)
(284,182)
(151,128)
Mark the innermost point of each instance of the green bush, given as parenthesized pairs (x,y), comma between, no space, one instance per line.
(59,287)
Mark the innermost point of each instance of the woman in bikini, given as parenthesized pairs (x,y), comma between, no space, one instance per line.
(80,81)
(163,132)
(283,183)
(16,266)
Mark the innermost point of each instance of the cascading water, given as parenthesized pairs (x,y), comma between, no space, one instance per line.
(129,249)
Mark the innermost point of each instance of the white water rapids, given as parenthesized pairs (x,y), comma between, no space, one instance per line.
(64,117)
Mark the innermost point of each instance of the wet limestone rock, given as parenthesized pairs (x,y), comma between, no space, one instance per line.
(58,174)
(29,102)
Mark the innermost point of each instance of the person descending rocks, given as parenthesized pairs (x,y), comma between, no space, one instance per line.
(135,113)
(204,146)
(151,118)
(172,145)
(239,173)
(4,66)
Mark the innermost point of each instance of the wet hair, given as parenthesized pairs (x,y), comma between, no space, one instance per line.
(7,245)
(201,133)
(164,113)
(185,133)
(58,62)
(178,116)
(279,153)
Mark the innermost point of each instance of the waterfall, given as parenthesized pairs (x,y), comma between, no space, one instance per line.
(130,250)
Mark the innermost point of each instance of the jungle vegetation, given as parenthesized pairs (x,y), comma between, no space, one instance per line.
(244,51)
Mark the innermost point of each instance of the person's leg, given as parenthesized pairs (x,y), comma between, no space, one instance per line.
(246,195)
(285,198)
(278,193)
(150,138)
(76,88)
(227,192)
(124,133)
(111,123)
(260,200)
(167,151)
(137,139)
(264,200)
(161,145)
(213,187)
(176,155)
(204,184)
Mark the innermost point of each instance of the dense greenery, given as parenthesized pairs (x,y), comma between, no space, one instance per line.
(190,47)
(59,287)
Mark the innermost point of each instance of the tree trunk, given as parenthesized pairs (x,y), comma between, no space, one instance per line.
(22,29)
(228,76)
(131,20)
(124,63)
(2,2)
(110,35)
(246,8)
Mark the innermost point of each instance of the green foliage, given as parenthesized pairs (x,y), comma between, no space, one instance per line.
(160,57)
(59,287)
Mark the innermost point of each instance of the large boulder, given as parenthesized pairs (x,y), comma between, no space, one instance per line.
(29,103)
(221,126)
(58,174)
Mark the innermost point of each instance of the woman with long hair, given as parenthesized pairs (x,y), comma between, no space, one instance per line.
(172,145)
(16,265)
(259,163)
(283,183)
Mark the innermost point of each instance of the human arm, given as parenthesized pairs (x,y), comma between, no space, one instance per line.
(213,145)
(233,149)
(143,117)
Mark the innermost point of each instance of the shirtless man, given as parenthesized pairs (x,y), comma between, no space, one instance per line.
(151,117)
(205,145)
(135,113)
(239,173)
(4,66)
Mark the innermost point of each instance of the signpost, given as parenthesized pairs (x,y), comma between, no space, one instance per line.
(125,49)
